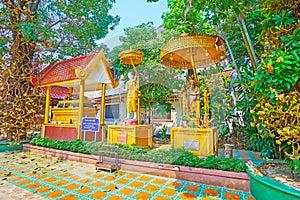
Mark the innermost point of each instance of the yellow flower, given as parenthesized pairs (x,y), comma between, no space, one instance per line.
(278,142)
(269,67)
(279,59)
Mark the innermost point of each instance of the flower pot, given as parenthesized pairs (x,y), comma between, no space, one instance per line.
(5,146)
(228,150)
(263,187)
(10,148)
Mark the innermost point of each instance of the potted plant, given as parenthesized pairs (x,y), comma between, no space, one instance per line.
(10,146)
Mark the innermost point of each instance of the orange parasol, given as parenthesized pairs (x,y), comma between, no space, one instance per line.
(190,51)
(131,57)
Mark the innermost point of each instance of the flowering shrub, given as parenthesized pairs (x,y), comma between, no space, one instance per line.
(280,118)
(275,85)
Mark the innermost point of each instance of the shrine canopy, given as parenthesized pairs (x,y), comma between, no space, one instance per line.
(92,68)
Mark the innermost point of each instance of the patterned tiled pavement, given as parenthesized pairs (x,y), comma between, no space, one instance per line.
(29,176)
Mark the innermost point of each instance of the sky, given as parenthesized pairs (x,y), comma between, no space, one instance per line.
(133,13)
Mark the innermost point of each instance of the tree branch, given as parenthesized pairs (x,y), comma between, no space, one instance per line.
(55,23)
(34,6)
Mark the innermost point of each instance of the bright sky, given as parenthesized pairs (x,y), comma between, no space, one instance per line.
(133,13)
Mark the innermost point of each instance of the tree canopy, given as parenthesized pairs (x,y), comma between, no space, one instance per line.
(58,28)
(34,32)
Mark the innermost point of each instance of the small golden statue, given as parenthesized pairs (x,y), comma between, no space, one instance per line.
(132,95)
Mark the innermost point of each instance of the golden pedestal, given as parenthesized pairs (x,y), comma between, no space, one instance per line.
(140,135)
(200,141)
(65,115)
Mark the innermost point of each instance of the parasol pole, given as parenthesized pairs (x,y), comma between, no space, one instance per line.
(80,110)
(102,122)
(46,118)
(193,65)
(138,86)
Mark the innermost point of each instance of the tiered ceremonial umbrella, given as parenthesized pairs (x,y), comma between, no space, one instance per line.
(193,51)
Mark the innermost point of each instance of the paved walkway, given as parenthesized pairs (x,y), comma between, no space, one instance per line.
(243,155)
(33,176)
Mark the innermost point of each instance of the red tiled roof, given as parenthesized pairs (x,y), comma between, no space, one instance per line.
(65,70)
(57,92)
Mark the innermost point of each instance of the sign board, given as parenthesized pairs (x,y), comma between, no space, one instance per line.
(90,124)
(191,145)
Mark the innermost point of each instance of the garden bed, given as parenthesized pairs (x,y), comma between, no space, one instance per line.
(228,179)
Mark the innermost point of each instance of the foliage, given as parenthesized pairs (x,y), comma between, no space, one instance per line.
(280,118)
(224,133)
(34,33)
(201,16)
(164,133)
(211,162)
(19,102)
(133,148)
(176,156)
(185,17)
(275,84)
(73,145)
(59,28)
(217,84)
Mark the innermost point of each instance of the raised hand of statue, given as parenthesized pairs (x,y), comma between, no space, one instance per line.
(135,78)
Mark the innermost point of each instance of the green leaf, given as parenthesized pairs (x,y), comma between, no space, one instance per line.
(288,80)
(296,79)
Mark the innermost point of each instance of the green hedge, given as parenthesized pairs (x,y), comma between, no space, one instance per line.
(174,156)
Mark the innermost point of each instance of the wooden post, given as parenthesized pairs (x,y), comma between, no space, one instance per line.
(81,99)
(46,115)
(47,105)
(102,123)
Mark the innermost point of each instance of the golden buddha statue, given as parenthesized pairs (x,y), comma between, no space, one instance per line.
(132,95)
